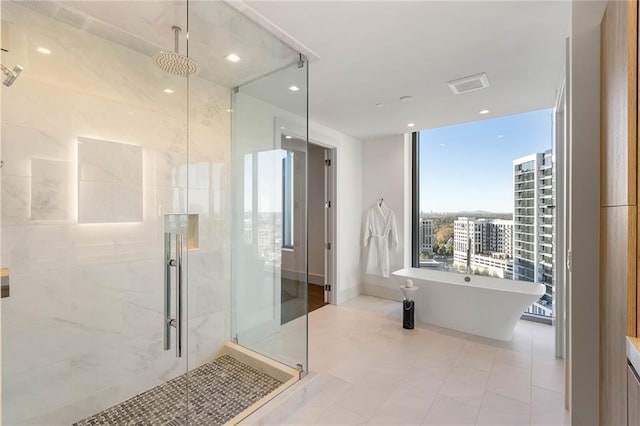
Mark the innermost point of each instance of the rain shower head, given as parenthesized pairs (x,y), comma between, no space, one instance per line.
(11,74)
(175,63)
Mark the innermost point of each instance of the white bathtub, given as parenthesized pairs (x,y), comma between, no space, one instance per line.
(485,306)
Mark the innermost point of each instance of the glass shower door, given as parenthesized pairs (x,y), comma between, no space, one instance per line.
(94,191)
(269,175)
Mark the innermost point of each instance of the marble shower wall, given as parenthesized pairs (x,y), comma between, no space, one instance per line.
(82,329)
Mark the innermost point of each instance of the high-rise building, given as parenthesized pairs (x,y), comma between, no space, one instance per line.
(488,242)
(533,225)
(426,236)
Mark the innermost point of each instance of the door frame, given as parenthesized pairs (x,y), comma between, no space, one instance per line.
(559,252)
(326,142)
(330,202)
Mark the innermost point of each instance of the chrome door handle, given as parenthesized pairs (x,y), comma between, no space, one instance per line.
(179,295)
(177,321)
(167,291)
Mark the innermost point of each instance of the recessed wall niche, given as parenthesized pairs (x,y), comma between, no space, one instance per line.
(109,181)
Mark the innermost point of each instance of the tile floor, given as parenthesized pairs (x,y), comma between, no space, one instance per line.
(375,372)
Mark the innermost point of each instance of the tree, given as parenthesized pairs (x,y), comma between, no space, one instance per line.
(436,247)
(443,234)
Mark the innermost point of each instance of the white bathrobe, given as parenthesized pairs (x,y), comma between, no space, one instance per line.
(380,236)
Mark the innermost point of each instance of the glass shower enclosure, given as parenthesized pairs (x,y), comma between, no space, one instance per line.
(137,245)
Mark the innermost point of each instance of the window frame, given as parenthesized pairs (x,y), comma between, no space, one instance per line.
(415,220)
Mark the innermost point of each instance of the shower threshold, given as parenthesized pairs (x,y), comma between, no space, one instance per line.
(223,391)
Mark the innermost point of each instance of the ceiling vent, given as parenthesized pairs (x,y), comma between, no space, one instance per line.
(48,8)
(469,84)
(72,17)
(64,14)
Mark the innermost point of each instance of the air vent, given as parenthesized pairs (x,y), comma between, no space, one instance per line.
(45,7)
(71,17)
(469,84)
(53,9)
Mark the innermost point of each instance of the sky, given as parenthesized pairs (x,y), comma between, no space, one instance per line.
(468,167)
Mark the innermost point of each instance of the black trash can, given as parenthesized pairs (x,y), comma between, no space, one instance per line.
(407,314)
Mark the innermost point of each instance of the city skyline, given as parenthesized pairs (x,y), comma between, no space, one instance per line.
(468,167)
(521,248)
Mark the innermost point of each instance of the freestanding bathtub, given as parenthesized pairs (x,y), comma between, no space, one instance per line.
(485,306)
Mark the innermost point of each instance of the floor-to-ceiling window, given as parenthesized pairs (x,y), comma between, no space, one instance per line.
(486,199)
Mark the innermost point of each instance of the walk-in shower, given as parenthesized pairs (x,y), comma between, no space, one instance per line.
(142,213)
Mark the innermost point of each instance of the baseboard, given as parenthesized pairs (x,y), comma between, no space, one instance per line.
(316,279)
(349,293)
(382,292)
(301,276)
(292,275)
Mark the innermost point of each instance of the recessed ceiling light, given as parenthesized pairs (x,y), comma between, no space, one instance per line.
(167,90)
(500,136)
(411,125)
(233,57)
(43,50)
(294,88)
(229,110)
(379,104)
(406,99)
(289,137)
(483,111)
(441,144)
(282,128)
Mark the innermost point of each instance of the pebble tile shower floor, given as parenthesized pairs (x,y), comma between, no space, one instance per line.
(218,391)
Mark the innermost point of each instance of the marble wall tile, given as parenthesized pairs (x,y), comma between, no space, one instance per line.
(16,200)
(30,143)
(37,391)
(95,202)
(96,160)
(127,168)
(127,202)
(49,189)
(110,182)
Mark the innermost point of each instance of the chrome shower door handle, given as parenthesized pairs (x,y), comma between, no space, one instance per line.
(168,321)
(167,291)
(178,321)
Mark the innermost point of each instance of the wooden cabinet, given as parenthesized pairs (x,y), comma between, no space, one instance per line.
(619,244)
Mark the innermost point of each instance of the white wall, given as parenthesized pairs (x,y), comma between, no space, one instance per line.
(584,205)
(384,167)
(315,211)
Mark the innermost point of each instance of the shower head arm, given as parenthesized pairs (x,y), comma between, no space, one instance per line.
(6,71)
(177,30)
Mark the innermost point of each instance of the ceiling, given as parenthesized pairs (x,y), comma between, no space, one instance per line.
(370,52)
(215,29)
(378,51)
